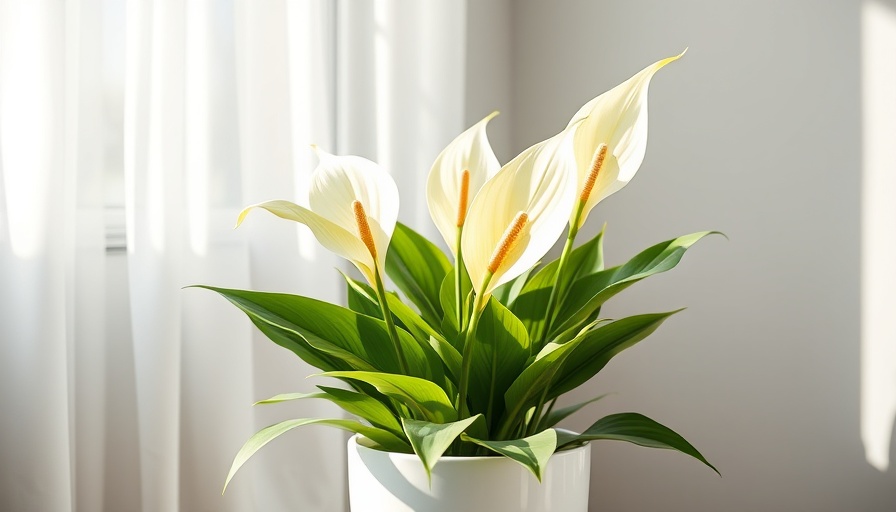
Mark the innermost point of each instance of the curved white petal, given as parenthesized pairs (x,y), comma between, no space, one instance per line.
(334,237)
(338,181)
(617,118)
(469,151)
(540,181)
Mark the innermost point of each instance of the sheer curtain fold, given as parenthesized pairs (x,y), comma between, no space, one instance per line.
(119,389)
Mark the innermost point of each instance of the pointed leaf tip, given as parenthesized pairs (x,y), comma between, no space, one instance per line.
(532,452)
(431,440)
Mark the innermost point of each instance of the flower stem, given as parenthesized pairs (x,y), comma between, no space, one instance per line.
(390,324)
(459,270)
(558,289)
(558,284)
(469,340)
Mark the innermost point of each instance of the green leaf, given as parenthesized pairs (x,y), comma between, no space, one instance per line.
(509,291)
(264,436)
(421,396)
(286,397)
(596,347)
(361,298)
(293,341)
(331,330)
(359,404)
(418,268)
(530,305)
(497,358)
(558,415)
(433,344)
(430,440)
(563,366)
(533,452)
(530,385)
(447,299)
(638,429)
(590,292)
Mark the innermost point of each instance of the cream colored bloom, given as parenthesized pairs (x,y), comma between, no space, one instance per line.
(617,119)
(448,191)
(352,210)
(518,214)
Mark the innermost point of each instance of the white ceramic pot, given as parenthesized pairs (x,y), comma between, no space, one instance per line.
(396,482)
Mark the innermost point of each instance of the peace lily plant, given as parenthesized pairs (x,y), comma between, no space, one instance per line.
(474,361)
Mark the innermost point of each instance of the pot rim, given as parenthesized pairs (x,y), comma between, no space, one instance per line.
(353,440)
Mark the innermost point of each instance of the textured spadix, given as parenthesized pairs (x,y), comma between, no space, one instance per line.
(617,118)
(469,151)
(539,183)
(337,184)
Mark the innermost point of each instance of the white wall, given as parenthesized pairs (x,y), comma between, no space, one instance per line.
(755,132)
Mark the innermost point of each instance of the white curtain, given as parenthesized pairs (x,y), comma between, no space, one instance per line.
(157,120)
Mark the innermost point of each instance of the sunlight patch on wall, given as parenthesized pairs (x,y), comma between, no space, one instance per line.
(878,295)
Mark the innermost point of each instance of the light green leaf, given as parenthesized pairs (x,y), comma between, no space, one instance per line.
(266,435)
(533,452)
(430,440)
(638,429)
(418,268)
(558,415)
(286,397)
(426,399)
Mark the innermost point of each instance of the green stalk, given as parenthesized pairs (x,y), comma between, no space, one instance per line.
(555,291)
(387,316)
(469,337)
(459,270)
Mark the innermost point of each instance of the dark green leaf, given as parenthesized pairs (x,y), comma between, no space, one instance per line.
(562,366)
(509,291)
(298,345)
(558,415)
(361,298)
(359,404)
(587,294)
(530,305)
(433,344)
(638,429)
(596,347)
(447,294)
(327,327)
(418,268)
(498,356)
